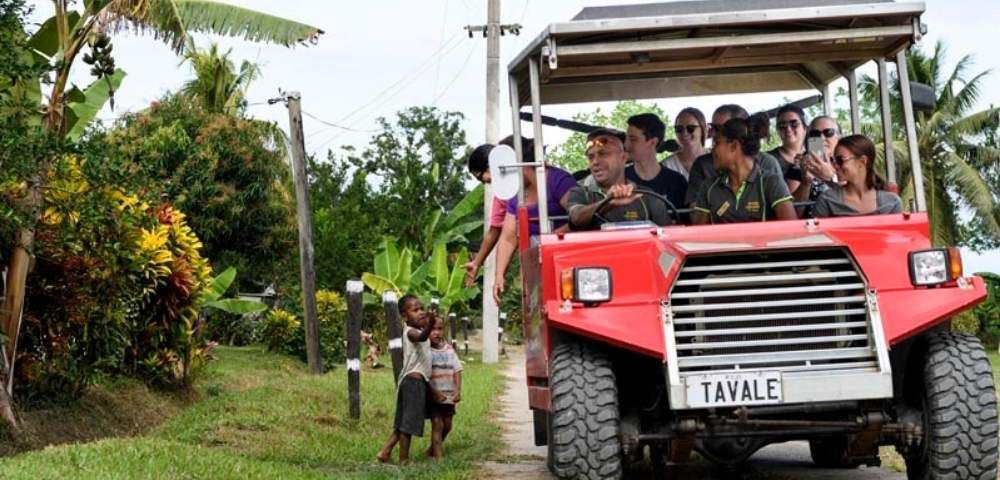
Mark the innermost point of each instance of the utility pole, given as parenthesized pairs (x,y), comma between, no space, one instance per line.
(492,31)
(292,101)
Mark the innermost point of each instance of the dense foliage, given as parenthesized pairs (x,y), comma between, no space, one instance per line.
(402,184)
(227,174)
(114,286)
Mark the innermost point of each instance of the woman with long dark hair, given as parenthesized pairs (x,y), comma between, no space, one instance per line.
(861,192)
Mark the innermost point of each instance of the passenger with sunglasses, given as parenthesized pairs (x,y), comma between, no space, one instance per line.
(745,192)
(861,192)
(704,169)
(690,130)
(792,132)
(645,132)
(479,167)
(818,174)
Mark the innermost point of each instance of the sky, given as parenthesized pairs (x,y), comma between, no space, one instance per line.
(381,56)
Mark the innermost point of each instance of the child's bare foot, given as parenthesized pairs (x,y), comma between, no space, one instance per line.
(383,458)
(404,461)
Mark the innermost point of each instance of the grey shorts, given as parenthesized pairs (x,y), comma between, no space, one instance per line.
(411,406)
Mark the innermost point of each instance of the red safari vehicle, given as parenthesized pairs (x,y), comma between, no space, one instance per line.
(726,338)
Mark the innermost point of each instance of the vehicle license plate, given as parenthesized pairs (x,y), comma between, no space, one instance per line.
(719,390)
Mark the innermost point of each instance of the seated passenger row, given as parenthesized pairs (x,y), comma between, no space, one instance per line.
(735,182)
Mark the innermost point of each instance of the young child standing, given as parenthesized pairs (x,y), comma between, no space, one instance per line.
(411,394)
(446,387)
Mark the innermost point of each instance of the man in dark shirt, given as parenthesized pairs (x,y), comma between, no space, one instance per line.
(644,134)
(611,198)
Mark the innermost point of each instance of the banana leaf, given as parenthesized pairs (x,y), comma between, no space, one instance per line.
(439,269)
(378,283)
(237,306)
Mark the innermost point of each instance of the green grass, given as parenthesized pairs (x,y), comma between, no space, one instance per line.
(263,416)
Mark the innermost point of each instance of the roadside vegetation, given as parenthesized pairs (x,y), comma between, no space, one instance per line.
(262,415)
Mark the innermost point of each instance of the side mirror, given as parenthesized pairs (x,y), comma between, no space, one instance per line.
(506,176)
(922,97)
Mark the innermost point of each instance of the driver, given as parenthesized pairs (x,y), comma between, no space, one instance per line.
(611,198)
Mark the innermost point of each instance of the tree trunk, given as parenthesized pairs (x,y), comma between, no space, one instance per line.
(13,305)
(6,402)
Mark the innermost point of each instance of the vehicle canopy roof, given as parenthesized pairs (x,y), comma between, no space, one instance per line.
(711,47)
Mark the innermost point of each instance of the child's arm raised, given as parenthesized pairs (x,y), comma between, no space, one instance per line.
(422,335)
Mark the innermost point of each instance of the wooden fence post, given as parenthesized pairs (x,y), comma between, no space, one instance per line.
(394,329)
(453,322)
(354,313)
(503,325)
(465,335)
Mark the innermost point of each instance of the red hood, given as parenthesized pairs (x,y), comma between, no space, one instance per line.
(879,244)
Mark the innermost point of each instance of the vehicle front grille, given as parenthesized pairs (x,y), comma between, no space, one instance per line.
(798,310)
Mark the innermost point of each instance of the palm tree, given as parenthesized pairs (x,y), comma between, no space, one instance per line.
(61,40)
(952,141)
(217,86)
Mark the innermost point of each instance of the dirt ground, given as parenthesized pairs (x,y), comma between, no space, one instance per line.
(522,460)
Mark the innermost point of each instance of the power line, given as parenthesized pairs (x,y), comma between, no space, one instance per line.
(461,70)
(334,125)
(427,62)
(437,68)
(380,100)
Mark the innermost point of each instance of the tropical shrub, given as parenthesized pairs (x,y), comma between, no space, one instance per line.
(114,286)
(965,322)
(278,329)
(228,174)
(331,310)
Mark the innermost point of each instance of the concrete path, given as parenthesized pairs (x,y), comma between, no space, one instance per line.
(522,460)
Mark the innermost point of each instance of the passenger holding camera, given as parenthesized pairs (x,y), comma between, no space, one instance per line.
(860,191)
(816,164)
(744,191)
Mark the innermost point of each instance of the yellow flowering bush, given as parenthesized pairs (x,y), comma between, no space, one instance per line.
(278,329)
(113,287)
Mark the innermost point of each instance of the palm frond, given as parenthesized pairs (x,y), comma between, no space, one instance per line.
(172,20)
(223,19)
(976,193)
(967,98)
(979,123)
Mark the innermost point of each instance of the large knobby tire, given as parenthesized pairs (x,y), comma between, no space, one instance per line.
(959,406)
(584,440)
(830,452)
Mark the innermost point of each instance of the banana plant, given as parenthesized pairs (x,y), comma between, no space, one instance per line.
(392,269)
(448,284)
(433,278)
(453,227)
(211,297)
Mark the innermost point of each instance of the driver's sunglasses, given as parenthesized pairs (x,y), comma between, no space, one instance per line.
(600,142)
(826,132)
(679,129)
(792,124)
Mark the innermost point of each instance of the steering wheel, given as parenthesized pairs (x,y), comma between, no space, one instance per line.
(675,215)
